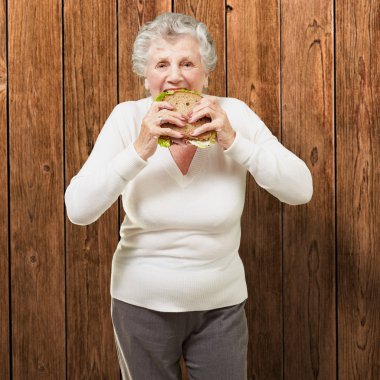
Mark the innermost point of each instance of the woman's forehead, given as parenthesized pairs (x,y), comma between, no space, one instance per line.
(179,43)
(167,52)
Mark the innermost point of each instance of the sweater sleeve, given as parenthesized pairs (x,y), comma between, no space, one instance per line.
(104,175)
(274,168)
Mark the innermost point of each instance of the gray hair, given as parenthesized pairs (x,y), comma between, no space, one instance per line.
(169,25)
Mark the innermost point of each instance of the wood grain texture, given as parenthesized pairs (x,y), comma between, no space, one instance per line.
(36,188)
(5,354)
(90,95)
(212,13)
(358,175)
(253,76)
(308,230)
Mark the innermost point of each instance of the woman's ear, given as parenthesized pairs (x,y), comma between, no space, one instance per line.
(205,83)
(146,84)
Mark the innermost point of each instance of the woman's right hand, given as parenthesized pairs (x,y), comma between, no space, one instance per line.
(159,113)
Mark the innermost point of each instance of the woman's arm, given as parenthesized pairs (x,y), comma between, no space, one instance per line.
(274,168)
(104,175)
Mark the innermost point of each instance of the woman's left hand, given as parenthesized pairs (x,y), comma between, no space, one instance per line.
(209,107)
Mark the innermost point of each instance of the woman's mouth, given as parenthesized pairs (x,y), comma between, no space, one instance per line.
(174,88)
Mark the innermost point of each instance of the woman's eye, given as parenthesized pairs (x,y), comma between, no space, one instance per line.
(160,65)
(188,64)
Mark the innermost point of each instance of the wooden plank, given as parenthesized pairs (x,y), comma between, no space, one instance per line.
(90,95)
(253,76)
(36,188)
(4,252)
(212,13)
(358,207)
(132,15)
(308,230)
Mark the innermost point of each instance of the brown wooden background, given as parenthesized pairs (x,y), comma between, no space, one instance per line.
(309,68)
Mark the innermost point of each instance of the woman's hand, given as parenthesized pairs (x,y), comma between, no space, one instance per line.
(159,113)
(209,106)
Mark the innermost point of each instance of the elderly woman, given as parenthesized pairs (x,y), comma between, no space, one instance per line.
(178,284)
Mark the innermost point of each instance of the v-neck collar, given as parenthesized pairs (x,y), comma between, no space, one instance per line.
(196,166)
(183,156)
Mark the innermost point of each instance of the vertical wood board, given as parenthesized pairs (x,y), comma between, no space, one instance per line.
(253,76)
(308,230)
(4,252)
(36,188)
(358,181)
(90,95)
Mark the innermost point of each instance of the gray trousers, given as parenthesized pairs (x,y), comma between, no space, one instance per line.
(150,343)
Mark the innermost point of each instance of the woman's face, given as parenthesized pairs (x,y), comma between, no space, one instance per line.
(175,64)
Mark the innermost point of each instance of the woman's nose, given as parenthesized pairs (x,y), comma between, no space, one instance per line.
(174,74)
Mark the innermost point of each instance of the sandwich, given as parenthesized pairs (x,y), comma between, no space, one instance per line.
(183,101)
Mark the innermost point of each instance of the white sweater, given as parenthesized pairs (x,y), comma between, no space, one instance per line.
(179,240)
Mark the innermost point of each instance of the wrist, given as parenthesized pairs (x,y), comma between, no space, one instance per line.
(140,151)
(230,141)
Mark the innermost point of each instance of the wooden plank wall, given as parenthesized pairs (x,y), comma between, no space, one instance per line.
(309,231)
(37,254)
(4,228)
(90,93)
(358,181)
(308,68)
(257,82)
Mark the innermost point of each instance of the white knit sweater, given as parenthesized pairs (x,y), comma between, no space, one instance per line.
(179,241)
